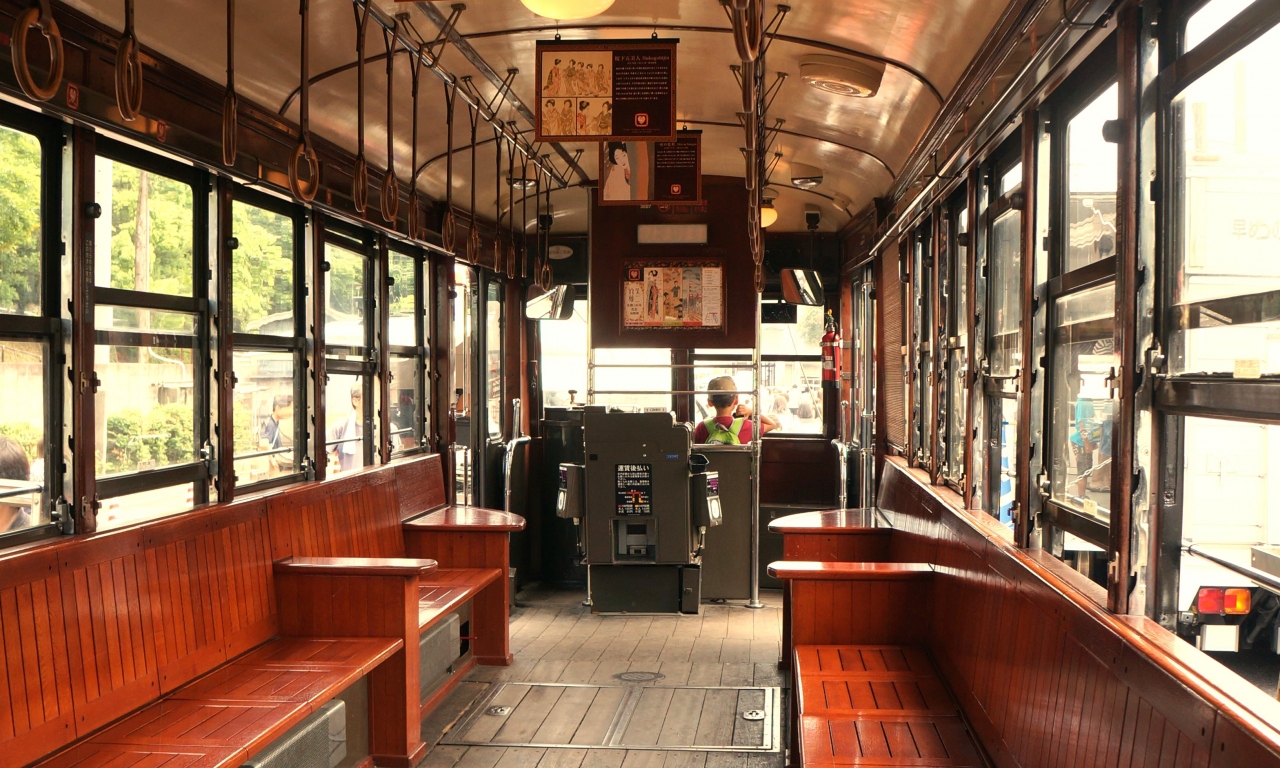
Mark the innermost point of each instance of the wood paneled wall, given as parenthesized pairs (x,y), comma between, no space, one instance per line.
(359,517)
(1047,676)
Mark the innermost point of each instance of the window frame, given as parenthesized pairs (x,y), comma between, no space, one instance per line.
(295,345)
(1175,397)
(1091,80)
(957,281)
(363,243)
(419,352)
(50,327)
(200,472)
(923,362)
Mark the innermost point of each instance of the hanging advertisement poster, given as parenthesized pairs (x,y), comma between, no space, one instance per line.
(617,90)
(661,295)
(652,172)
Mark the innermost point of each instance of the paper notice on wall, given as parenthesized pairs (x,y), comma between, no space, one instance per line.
(672,295)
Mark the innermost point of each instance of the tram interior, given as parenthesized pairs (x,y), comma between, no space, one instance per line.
(639,383)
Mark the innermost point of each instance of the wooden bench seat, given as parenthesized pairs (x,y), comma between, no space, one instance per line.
(879,705)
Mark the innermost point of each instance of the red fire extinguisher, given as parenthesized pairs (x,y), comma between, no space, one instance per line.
(831,351)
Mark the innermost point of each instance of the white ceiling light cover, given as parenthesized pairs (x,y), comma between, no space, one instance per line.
(567,10)
(842,76)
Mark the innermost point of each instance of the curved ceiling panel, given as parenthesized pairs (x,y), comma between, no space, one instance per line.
(860,143)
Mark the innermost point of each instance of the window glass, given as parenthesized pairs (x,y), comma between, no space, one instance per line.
(108,318)
(1011,179)
(1006,473)
(1091,182)
(1084,557)
(262,271)
(1084,362)
(957,356)
(804,337)
(564,358)
(1227,270)
(145,505)
(1005,288)
(1228,507)
(612,385)
(406,416)
(402,329)
(264,415)
(345,300)
(493,357)
(152,223)
(791,393)
(147,405)
(462,328)
(20,226)
(22,438)
(1210,19)
(346,430)
(922,337)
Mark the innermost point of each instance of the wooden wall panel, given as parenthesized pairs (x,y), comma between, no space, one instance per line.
(1048,677)
(881,612)
(36,706)
(784,460)
(862,547)
(420,485)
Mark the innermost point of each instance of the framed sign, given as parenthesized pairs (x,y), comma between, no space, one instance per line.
(615,90)
(671,294)
(652,172)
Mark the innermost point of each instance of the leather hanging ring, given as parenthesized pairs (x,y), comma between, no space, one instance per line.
(128,70)
(473,244)
(414,223)
(304,153)
(546,281)
(511,262)
(390,197)
(759,278)
(360,184)
(230,127)
(497,254)
(751,170)
(38,17)
(748,28)
(449,231)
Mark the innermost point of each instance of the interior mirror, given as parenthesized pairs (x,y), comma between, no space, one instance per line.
(802,286)
(556,304)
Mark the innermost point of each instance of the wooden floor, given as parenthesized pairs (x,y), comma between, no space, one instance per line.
(557,640)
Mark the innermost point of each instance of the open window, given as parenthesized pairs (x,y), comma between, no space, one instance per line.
(351,366)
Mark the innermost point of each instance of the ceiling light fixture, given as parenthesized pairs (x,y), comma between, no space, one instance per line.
(842,76)
(519,182)
(805,176)
(768,214)
(567,10)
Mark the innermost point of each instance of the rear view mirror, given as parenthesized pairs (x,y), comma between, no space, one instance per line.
(556,304)
(802,286)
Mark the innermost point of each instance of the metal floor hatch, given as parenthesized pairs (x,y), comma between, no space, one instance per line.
(696,718)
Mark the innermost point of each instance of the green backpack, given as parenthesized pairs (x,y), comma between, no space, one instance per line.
(718,433)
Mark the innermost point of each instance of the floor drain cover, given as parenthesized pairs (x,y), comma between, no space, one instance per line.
(753,715)
(638,677)
(498,711)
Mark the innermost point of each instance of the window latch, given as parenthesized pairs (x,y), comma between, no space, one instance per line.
(1113,382)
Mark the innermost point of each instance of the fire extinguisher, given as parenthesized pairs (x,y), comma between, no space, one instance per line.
(831,352)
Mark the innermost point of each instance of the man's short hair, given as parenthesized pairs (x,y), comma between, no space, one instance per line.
(281,401)
(13,460)
(722,383)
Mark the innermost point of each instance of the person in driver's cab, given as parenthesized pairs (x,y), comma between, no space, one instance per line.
(732,423)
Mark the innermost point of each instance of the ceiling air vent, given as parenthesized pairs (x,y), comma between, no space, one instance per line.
(842,76)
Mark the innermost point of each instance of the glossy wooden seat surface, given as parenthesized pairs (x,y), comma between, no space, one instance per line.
(881,705)
(849,522)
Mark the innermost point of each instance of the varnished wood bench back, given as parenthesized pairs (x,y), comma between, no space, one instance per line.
(420,485)
(97,626)
(353,516)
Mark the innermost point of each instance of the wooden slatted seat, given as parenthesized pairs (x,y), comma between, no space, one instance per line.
(876,705)
(171,646)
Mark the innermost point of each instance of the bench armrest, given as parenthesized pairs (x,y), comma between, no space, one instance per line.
(815,571)
(839,521)
(356,566)
(454,519)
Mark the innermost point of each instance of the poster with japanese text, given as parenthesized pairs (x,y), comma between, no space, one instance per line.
(652,172)
(616,90)
(658,295)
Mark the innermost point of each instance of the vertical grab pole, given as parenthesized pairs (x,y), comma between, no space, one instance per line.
(756,443)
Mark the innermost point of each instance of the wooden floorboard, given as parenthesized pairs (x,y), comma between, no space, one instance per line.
(555,639)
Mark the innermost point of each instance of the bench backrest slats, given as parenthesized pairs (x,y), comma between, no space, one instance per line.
(420,485)
(356,517)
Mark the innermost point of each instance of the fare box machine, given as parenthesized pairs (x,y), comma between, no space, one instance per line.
(643,503)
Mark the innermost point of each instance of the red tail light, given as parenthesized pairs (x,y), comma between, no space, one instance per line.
(1237,601)
(1210,600)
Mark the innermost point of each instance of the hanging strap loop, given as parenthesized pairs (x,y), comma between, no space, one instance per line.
(230,102)
(128,69)
(390,184)
(304,152)
(39,17)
